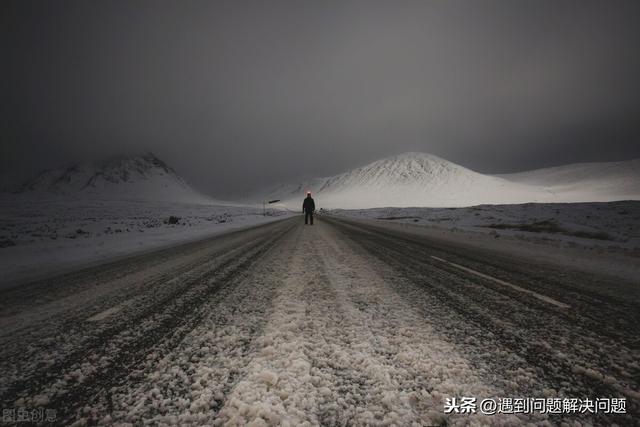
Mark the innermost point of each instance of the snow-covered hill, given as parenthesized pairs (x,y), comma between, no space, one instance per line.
(143,177)
(425,180)
(92,212)
(586,182)
(405,180)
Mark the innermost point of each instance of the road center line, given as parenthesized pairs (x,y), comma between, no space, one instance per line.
(502,282)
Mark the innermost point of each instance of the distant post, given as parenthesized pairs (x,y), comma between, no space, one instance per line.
(264,207)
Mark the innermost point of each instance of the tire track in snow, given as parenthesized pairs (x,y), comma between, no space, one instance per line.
(55,324)
(78,346)
(188,385)
(419,367)
(341,348)
(531,349)
(329,325)
(277,387)
(112,356)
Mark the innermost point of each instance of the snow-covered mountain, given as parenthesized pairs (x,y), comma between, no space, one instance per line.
(586,182)
(425,180)
(405,180)
(142,177)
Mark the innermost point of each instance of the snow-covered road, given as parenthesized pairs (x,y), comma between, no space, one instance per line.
(342,323)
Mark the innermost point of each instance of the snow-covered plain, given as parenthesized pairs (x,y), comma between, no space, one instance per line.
(91,212)
(613,224)
(425,180)
(39,238)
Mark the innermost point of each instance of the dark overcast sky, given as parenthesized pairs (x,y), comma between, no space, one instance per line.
(238,94)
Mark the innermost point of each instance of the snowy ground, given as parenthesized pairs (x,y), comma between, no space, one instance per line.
(39,237)
(341,323)
(612,224)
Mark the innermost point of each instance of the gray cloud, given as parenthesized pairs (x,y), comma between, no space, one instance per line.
(238,94)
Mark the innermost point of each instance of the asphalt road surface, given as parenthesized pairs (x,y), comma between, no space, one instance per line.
(340,323)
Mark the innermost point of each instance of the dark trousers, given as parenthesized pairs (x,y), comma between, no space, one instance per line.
(308,216)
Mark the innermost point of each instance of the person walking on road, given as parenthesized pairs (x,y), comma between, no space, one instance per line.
(308,207)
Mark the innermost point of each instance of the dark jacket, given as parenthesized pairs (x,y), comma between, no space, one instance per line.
(308,205)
